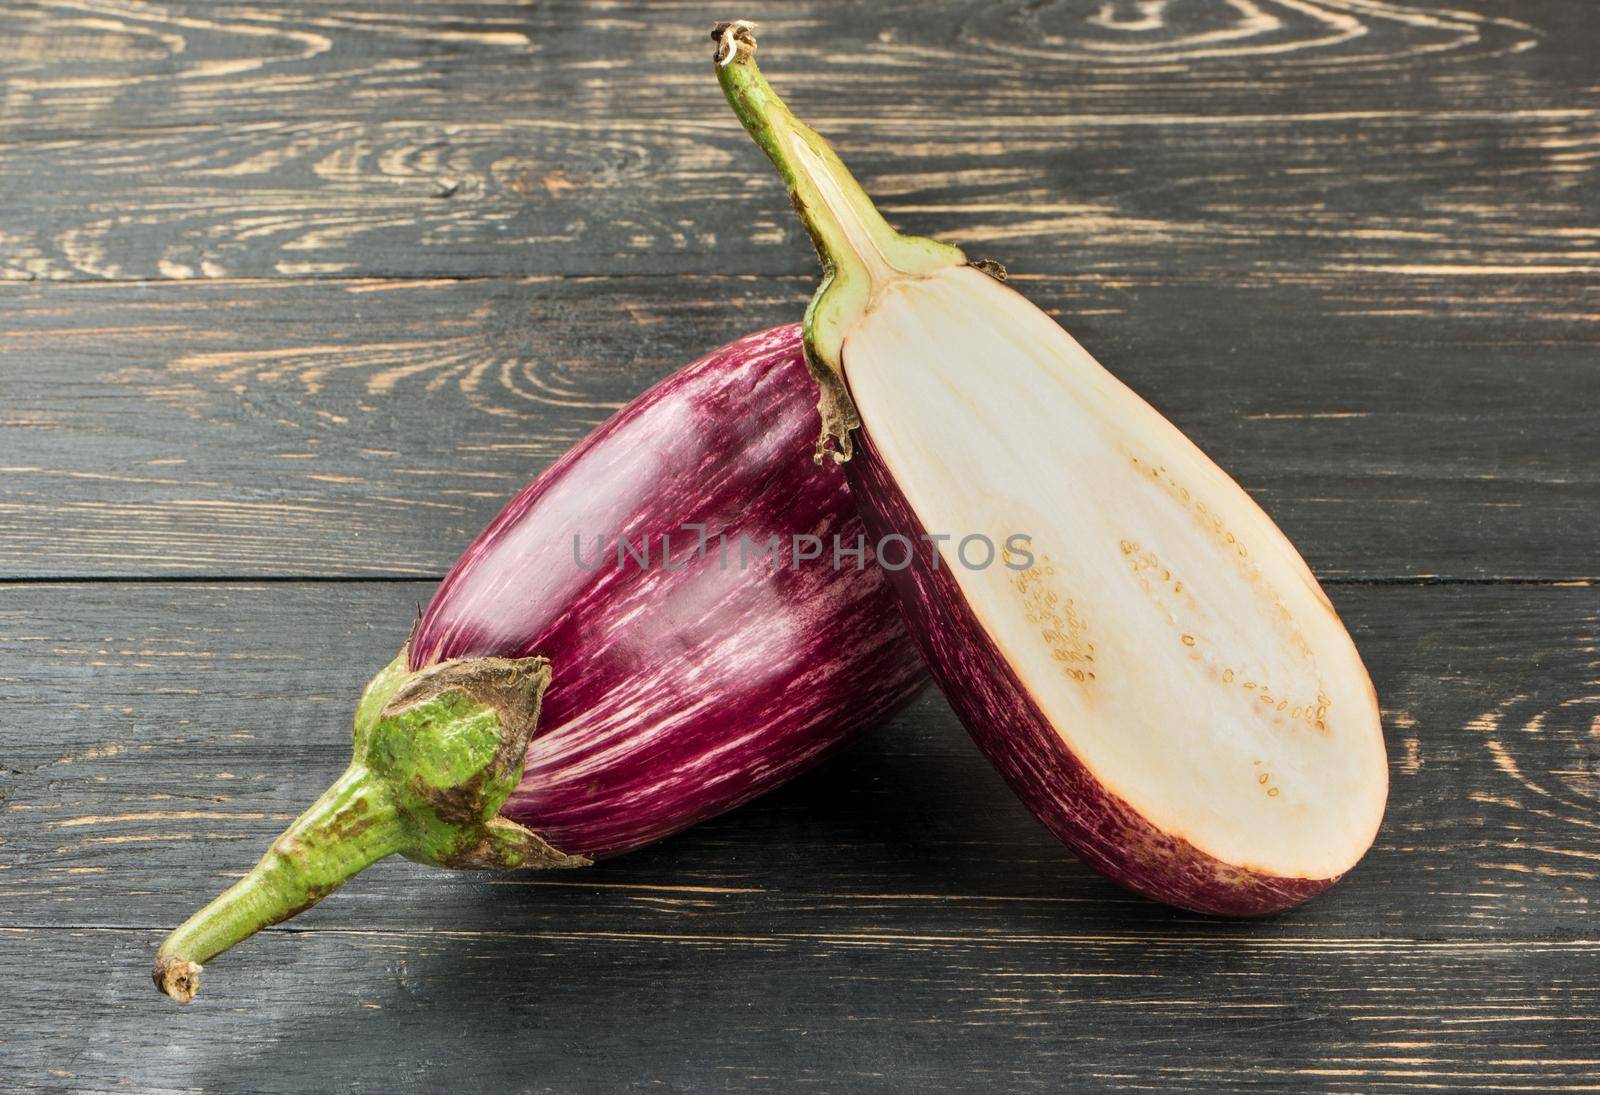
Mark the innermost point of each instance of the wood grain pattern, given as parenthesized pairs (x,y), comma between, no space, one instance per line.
(1323,139)
(897,898)
(575,1013)
(144,705)
(1195,194)
(294,427)
(303,290)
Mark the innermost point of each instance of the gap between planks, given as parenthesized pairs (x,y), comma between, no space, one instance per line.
(890,938)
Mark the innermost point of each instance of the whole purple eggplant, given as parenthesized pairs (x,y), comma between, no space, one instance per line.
(683,596)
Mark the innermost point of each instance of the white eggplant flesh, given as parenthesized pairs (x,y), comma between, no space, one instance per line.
(1171,636)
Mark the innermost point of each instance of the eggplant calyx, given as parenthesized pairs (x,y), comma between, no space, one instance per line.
(436,754)
(861,254)
(448,744)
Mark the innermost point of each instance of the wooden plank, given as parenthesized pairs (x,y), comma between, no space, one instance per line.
(572,1011)
(1321,139)
(1475,197)
(81,67)
(159,735)
(370,428)
(893,920)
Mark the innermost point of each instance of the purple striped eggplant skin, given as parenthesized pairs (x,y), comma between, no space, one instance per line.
(557,704)
(1148,661)
(680,691)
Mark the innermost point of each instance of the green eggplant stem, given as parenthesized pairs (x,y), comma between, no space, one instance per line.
(348,829)
(436,754)
(861,254)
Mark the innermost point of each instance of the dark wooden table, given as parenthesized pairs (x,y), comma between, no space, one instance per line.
(295,294)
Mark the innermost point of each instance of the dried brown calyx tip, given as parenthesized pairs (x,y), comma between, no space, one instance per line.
(178,979)
(729,37)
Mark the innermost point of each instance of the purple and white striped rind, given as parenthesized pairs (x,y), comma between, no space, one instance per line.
(681,692)
(1013,732)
